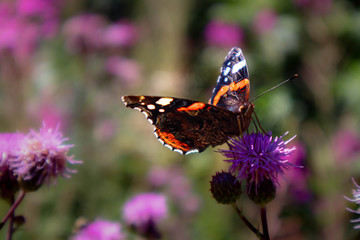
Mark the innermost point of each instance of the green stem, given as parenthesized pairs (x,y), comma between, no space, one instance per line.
(264,223)
(12,209)
(244,219)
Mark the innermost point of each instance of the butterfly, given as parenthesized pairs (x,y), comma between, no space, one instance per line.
(189,126)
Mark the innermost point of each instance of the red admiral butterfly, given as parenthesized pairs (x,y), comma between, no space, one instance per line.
(188,126)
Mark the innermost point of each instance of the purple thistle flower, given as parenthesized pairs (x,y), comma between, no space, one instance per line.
(42,157)
(9,144)
(257,157)
(222,34)
(144,211)
(355,199)
(100,230)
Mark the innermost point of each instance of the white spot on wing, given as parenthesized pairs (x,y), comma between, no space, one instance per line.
(192,151)
(178,150)
(151,106)
(226,71)
(123,99)
(238,66)
(139,109)
(161,110)
(164,101)
(150,120)
(168,146)
(160,140)
(156,133)
(239,53)
(145,113)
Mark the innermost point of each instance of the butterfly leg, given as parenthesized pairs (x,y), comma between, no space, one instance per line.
(257,120)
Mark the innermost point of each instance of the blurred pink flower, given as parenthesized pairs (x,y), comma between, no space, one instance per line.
(223,34)
(144,211)
(145,207)
(7,10)
(298,177)
(177,185)
(44,13)
(264,21)
(100,230)
(10,31)
(127,70)
(121,34)
(84,33)
(346,145)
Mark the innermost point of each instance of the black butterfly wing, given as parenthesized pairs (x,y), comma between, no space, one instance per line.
(233,85)
(186,126)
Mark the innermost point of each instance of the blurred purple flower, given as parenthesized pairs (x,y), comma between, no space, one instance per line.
(355,199)
(318,6)
(257,157)
(145,207)
(44,13)
(264,21)
(298,177)
(346,145)
(121,34)
(10,31)
(223,34)
(84,33)
(178,187)
(42,157)
(144,211)
(6,11)
(127,70)
(100,230)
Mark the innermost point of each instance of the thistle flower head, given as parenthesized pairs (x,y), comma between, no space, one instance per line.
(257,157)
(42,157)
(9,144)
(355,199)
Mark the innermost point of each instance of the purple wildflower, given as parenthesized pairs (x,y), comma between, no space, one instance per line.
(265,21)
(144,211)
(84,33)
(121,34)
(258,157)
(100,230)
(124,69)
(9,144)
(42,157)
(346,145)
(355,199)
(223,34)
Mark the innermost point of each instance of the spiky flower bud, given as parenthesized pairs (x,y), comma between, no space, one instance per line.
(261,193)
(225,188)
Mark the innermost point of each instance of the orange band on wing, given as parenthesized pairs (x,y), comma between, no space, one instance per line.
(232,87)
(192,107)
(170,139)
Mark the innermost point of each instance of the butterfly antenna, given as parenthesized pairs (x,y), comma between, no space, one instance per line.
(280,84)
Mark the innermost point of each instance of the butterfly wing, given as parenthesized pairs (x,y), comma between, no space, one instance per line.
(233,85)
(186,126)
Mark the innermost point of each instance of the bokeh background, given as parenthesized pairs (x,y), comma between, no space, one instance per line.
(71,61)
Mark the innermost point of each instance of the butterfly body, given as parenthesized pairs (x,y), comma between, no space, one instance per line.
(189,126)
